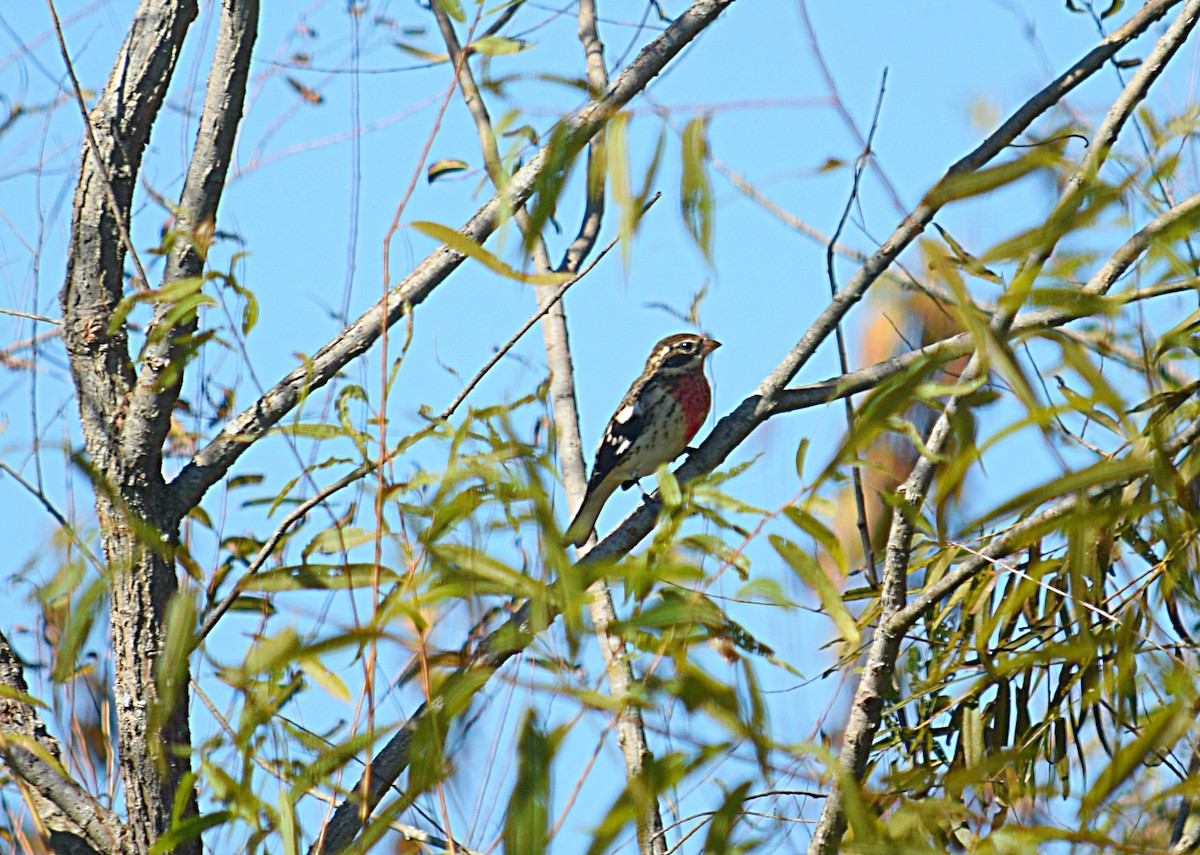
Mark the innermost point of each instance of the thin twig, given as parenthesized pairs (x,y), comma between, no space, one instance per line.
(58,517)
(860,502)
(40,318)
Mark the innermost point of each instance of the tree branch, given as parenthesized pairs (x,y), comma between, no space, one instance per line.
(76,821)
(128,484)
(155,394)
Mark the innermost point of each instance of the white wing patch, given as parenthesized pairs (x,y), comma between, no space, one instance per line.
(626,413)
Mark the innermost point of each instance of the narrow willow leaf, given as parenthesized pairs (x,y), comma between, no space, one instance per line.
(21,697)
(441,168)
(526,825)
(243,481)
(620,185)
(422,54)
(463,245)
(724,821)
(319,577)
(270,652)
(287,824)
(668,488)
(311,431)
(325,678)
(964,185)
(811,573)
(188,830)
(75,634)
(695,189)
(1160,732)
(499,46)
(1097,475)
(972,734)
(334,540)
(801,454)
(454,9)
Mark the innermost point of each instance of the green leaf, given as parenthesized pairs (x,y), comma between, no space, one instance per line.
(620,185)
(312,431)
(454,9)
(325,678)
(75,634)
(243,481)
(1097,475)
(499,46)
(21,697)
(331,541)
(964,185)
(1164,728)
(421,53)
(695,192)
(668,488)
(318,577)
(801,454)
(526,825)
(812,574)
(271,652)
(463,245)
(724,820)
(189,829)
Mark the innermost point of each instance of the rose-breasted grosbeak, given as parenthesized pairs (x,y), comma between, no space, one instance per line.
(657,418)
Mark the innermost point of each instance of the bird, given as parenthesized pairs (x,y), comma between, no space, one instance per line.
(657,418)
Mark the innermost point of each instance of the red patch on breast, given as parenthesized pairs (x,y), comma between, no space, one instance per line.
(693,395)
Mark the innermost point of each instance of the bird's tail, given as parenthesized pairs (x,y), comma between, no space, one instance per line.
(585,518)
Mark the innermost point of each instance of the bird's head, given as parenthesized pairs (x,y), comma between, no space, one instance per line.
(680,353)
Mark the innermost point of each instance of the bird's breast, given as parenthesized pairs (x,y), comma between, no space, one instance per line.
(694,397)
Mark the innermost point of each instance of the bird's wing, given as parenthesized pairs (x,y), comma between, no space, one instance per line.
(623,430)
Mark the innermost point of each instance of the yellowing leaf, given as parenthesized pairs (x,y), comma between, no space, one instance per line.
(499,46)
(454,9)
(695,188)
(325,678)
(444,167)
(811,574)
(463,245)
(421,53)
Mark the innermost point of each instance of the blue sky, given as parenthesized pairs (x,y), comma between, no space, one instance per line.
(312,201)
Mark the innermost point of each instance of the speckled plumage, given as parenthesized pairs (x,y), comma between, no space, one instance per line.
(656,419)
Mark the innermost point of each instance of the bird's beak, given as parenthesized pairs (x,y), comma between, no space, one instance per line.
(710,344)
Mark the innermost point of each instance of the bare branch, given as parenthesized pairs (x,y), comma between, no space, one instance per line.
(129,488)
(151,402)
